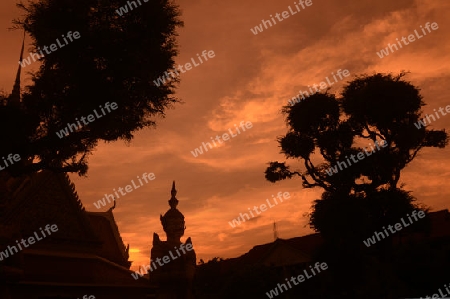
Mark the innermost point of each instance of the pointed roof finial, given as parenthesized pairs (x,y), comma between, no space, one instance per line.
(173,202)
(173,191)
(14,98)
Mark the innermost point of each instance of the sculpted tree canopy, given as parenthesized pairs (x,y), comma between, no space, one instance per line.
(354,147)
(372,110)
(114,60)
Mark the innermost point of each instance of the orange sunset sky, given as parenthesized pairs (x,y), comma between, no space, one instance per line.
(250,78)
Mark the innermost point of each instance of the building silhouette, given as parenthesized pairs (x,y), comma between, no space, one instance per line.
(86,256)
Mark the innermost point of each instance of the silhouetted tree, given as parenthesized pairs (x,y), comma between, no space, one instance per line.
(115,59)
(371,110)
(359,197)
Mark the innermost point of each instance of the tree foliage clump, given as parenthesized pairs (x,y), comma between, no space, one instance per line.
(115,59)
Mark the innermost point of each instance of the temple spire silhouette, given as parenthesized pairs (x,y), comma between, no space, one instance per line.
(14,98)
(173,220)
(173,201)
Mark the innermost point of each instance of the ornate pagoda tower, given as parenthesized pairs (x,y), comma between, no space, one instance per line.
(172,262)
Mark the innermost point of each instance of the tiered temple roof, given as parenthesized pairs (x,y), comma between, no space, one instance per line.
(86,251)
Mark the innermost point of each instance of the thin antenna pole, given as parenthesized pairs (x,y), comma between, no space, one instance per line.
(275,231)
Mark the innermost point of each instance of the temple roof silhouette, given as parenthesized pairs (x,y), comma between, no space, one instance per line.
(87,248)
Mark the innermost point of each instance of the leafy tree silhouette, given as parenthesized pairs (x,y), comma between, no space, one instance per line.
(115,59)
(360,197)
(371,109)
